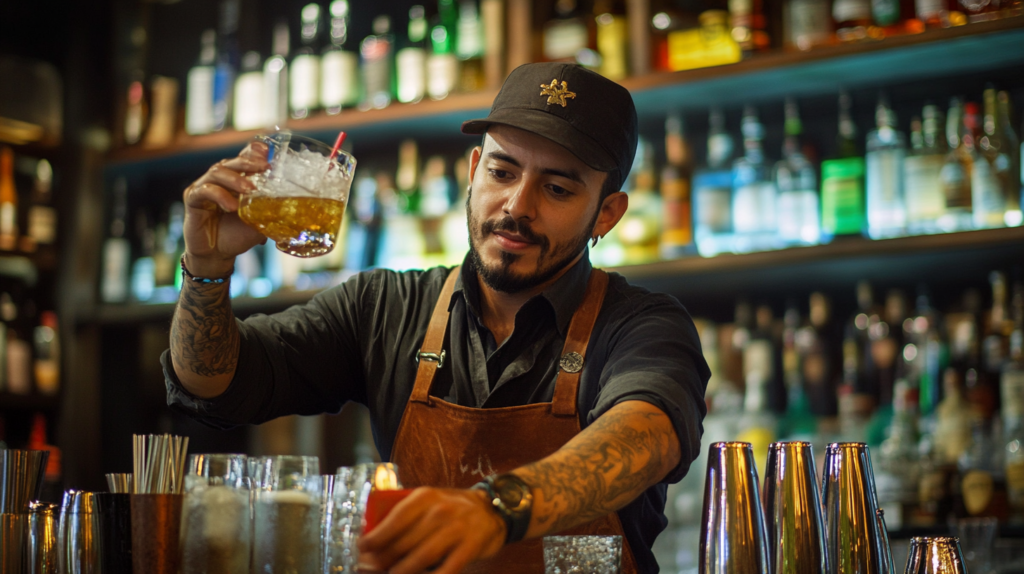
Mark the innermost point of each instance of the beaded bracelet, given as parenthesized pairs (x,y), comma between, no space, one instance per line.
(205,280)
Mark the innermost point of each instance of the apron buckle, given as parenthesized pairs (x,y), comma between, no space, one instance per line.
(435,357)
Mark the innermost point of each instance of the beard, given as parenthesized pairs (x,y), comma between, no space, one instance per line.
(550,261)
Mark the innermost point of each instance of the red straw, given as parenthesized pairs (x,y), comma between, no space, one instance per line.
(337,144)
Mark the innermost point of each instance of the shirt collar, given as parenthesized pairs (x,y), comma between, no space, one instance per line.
(564,295)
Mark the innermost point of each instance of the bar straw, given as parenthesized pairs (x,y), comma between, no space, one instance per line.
(337,145)
(159,464)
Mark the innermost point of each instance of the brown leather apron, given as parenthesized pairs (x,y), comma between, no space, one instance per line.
(445,445)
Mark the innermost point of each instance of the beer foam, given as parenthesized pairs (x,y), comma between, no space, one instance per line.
(287,497)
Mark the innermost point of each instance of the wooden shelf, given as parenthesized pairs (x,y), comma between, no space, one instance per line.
(134,313)
(972,48)
(31,402)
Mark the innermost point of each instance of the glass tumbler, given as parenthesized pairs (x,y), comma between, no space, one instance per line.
(216,520)
(287,518)
(582,554)
(352,487)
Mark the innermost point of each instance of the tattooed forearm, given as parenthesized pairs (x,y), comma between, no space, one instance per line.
(624,452)
(204,338)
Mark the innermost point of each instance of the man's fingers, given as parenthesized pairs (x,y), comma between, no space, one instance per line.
(427,553)
(397,522)
(245,164)
(256,151)
(207,195)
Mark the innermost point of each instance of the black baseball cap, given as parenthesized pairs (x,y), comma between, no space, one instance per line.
(588,114)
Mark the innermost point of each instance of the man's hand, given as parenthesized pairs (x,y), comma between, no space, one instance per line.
(214,234)
(433,526)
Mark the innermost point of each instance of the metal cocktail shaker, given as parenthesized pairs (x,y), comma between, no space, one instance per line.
(938,555)
(732,532)
(796,535)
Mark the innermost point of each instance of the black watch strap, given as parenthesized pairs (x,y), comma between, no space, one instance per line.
(512,499)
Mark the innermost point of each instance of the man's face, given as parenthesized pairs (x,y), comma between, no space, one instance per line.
(532,208)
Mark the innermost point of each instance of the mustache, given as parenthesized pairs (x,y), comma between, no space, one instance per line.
(510,225)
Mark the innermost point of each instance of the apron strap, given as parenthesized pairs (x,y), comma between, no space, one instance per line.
(575,350)
(431,356)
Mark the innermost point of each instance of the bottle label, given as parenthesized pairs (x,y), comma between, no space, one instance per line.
(810,23)
(798,216)
(412,74)
(987,198)
(754,208)
(114,288)
(925,202)
(442,73)
(885,12)
(562,40)
(956,186)
(1012,386)
(886,212)
(611,44)
(842,196)
(1015,483)
(929,9)
(339,81)
(851,10)
(977,488)
(377,72)
(248,112)
(305,82)
(19,366)
(8,225)
(42,224)
(712,200)
(199,101)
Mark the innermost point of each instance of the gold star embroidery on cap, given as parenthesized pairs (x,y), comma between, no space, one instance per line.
(556,94)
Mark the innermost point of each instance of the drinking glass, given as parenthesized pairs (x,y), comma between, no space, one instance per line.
(216,520)
(352,487)
(582,554)
(300,199)
(287,517)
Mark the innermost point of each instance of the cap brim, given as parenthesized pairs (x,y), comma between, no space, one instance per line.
(551,127)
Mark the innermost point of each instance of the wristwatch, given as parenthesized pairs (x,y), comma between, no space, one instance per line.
(512,499)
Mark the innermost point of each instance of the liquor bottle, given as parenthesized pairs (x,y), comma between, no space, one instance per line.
(275,79)
(227,63)
(921,169)
(636,239)
(199,104)
(842,181)
(248,108)
(932,13)
(442,64)
(760,424)
(982,478)
(1012,387)
(753,199)
(136,113)
(469,47)
(664,21)
(890,16)
(955,176)
(749,25)
(42,217)
(566,35)
(8,202)
(492,13)
(163,118)
(712,190)
(435,203)
(304,72)
(992,183)
(799,422)
(339,67)
(116,250)
(47,354)
(677,223)
(995,347)
(851,19)
(884,176)
(859,369)
(612,36)
(797,184)
(886,336)
(411,61)
(363,241)
(1014,178)
(820,360)
(807,24)
(402,244)
(376,52)
(896,479)
(17,314)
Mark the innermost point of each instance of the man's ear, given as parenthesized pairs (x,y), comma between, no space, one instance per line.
(612,209)
(474,160)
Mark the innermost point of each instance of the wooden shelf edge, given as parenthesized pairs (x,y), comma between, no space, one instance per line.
(30,402)
(128,313)
(841,248)
(354,119)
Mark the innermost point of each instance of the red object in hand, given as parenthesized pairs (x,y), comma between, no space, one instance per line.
(379,504)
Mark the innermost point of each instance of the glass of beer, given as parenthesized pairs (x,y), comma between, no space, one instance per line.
(216,520)
(287,518)
(300,199)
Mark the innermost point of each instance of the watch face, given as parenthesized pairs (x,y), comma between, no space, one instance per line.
(511,492)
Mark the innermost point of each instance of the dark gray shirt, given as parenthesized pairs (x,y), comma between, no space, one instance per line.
(358,342)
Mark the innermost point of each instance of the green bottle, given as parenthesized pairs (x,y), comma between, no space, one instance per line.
(842,181)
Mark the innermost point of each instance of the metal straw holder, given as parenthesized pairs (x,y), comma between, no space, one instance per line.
(796,535)
(732,532)
(115,531)
(21,475)
(79,534)
(938,555)
(855,533)
(13,534)
(155,526)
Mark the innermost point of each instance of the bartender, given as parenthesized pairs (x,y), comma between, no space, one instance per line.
(525,393)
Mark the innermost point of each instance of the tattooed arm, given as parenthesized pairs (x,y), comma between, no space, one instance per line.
(204,337)
(605,467)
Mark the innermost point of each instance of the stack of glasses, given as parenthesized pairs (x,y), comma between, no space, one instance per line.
(841,531)
(21,475)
